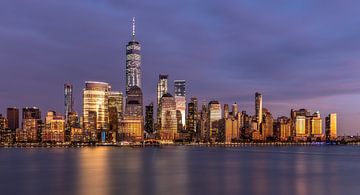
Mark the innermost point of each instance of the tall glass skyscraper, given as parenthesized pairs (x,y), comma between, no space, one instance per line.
(68,100)
(258,109)
(133,62)
(180,98)
(95,104)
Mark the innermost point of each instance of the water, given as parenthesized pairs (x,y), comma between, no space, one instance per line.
(180,170)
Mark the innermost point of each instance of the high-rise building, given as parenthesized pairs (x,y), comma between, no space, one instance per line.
(115,110)
(331,126)
(162,88)
(68,100)
(192,115)
(95,102)
(214,119)
(235,109)
(3,122)
(180,99)
(133,61)
(267,124)
(13,118)
(31,125)
(168,123)
(203,121)
(149,118)
(283,127)
(316,125)
(31,113)
(300,126)
(258,109)
(132,125)
(226,111)
(54,130)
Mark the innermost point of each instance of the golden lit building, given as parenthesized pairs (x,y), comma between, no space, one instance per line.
(267,124)
(132,125)
(284,128)
(316,125)
(300,126)
(78,135)
(231,129)
(95,101)
(54,128)
(331,126)
(214,119)
(168,122)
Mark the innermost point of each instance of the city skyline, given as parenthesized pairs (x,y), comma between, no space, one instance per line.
(279,97)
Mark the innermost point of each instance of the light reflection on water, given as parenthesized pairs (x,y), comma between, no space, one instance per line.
(180,170)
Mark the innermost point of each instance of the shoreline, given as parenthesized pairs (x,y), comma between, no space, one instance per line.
(214,145)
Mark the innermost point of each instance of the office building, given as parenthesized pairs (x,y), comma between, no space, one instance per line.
(13,118)
(95,108)
(68,100)
(180,99)
(168,123)
(331,126)
(258,109)
(133,62)
(149,118)
(214,108)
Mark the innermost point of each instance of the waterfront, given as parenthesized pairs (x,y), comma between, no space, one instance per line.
(180,170)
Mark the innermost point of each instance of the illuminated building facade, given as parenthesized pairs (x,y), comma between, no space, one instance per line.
(133,62)
(284,125)
(316,125)
(54,130)
(331,126)
(168,123)
(68,100)
(95,108)
(267,124)
(214,108)
(192,115)
(115,114)
(132,125)
(3,122)
(258,109)
(180,99)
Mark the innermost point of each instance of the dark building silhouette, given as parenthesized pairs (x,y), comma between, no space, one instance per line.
(13,118)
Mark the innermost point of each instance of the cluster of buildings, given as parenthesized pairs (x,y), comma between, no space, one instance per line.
(109,116)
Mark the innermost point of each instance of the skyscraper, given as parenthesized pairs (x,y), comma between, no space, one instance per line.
(331,126)
(168,123)
(115,109)
(214,119)
(31,125)
(133,61)
(258,109)
(13,118)
(180,99)
(68,100)
(192,115)
(162,87)
(132,125)
(95,101)
(149,118)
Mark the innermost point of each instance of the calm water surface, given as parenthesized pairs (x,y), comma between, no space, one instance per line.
(181,170)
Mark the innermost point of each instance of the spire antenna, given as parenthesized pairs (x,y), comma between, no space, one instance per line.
(133,28)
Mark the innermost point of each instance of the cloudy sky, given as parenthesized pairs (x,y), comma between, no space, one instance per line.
(299,54)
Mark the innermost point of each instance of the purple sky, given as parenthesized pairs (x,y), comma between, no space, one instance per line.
(299,54)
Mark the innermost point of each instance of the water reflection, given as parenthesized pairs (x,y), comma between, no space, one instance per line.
(179,170)
(93,171)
